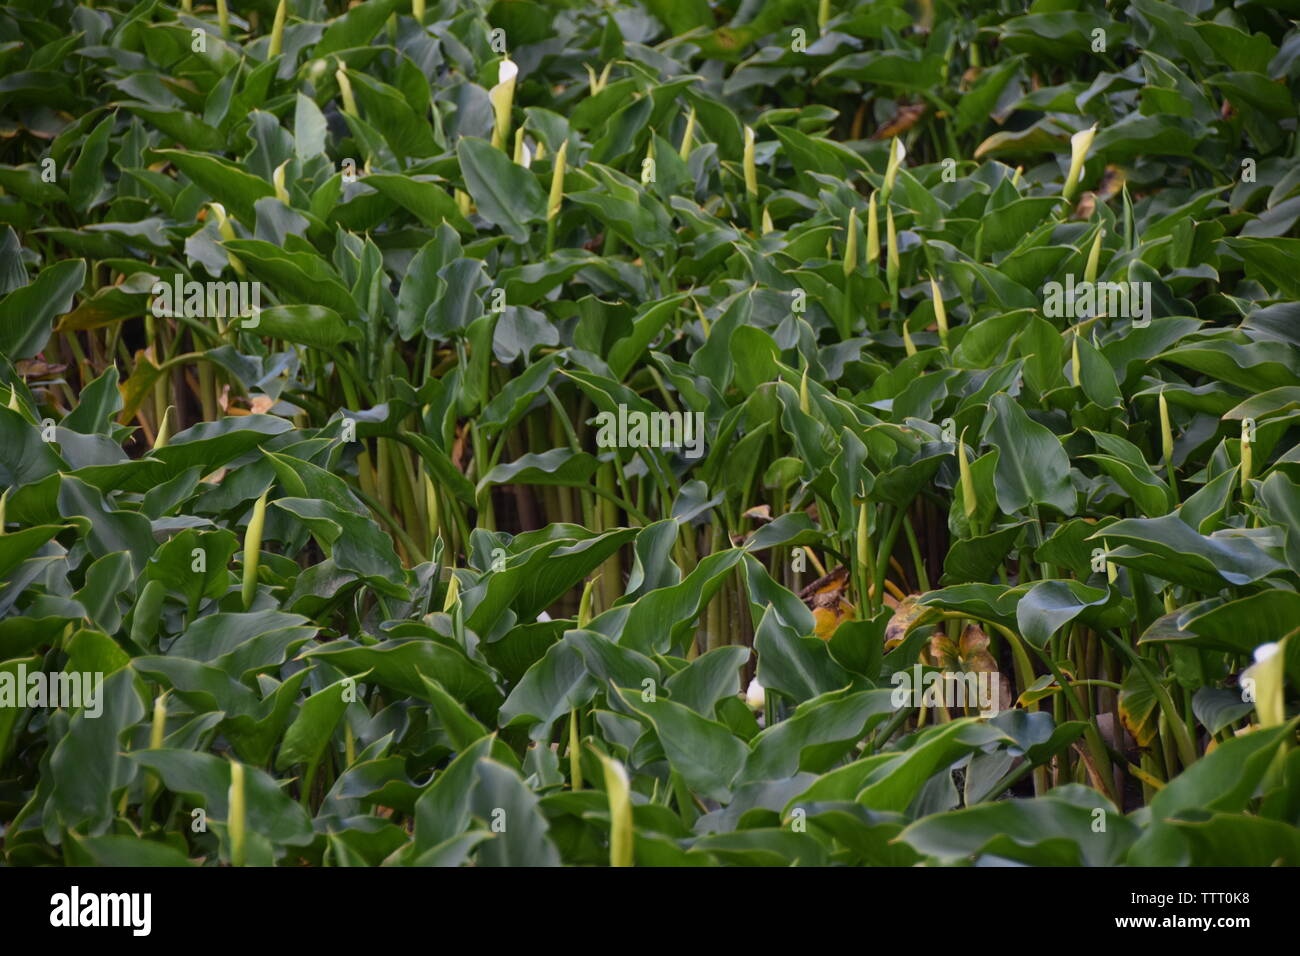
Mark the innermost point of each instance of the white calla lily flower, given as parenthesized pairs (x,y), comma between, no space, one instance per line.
(1080,143)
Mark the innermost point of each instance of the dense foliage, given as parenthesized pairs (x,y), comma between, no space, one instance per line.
(988,317)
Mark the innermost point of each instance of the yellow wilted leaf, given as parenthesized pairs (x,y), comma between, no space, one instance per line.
(905,615)
(969,653)
(825,597)
(1138,708)
(827,619)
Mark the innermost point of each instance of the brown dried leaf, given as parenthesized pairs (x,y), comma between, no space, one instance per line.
(905,117)
(36,368)
(905,615)
(1112,182)
(1086,207)
(826,590)
(826,598)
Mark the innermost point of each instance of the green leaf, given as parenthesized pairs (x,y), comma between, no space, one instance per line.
(1046,831)
(559,466)
(424,197)
(817,736)
(86,766)
(549,690)
(28,312)
(205,779)
(402,664)
(297,274)
(794,664)
(502,797)
(309,734)
(705,753)
(1238,626)
(1033,468)
(229,185)
(507,195)
(315,326)
(1167,548)
(1227,839)
(1049,605)
(895,783)
(1224,779)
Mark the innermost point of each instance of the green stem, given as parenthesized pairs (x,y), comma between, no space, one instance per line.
(922,579)
(575,753)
